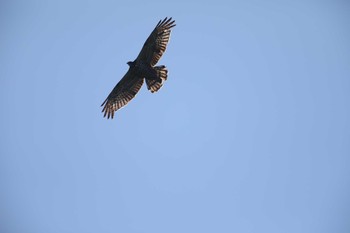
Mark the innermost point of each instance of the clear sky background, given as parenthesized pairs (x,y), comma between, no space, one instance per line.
(250,133)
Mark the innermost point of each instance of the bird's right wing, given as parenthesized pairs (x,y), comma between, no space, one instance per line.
(122,93)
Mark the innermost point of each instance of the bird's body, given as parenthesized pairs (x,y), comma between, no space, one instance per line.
(143,67)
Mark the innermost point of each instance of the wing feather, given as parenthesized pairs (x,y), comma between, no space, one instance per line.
(122,93)
(156,43)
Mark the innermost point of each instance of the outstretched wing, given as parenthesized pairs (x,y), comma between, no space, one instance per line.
(156,43)
(122,93)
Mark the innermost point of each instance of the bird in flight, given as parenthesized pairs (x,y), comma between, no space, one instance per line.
(143,67)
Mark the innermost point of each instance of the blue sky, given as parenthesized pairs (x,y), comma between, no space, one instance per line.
(250,133)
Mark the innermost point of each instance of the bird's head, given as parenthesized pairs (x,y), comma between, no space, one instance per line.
(130,63)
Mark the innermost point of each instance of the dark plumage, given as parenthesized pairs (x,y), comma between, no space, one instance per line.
(142,68)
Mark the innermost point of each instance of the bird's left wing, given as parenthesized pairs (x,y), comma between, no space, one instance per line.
(156,43)
(122,93)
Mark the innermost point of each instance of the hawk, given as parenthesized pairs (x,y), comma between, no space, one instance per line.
(143,67)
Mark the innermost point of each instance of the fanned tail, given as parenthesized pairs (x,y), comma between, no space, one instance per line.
(155,85)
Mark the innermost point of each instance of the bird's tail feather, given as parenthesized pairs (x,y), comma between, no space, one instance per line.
(155,85)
